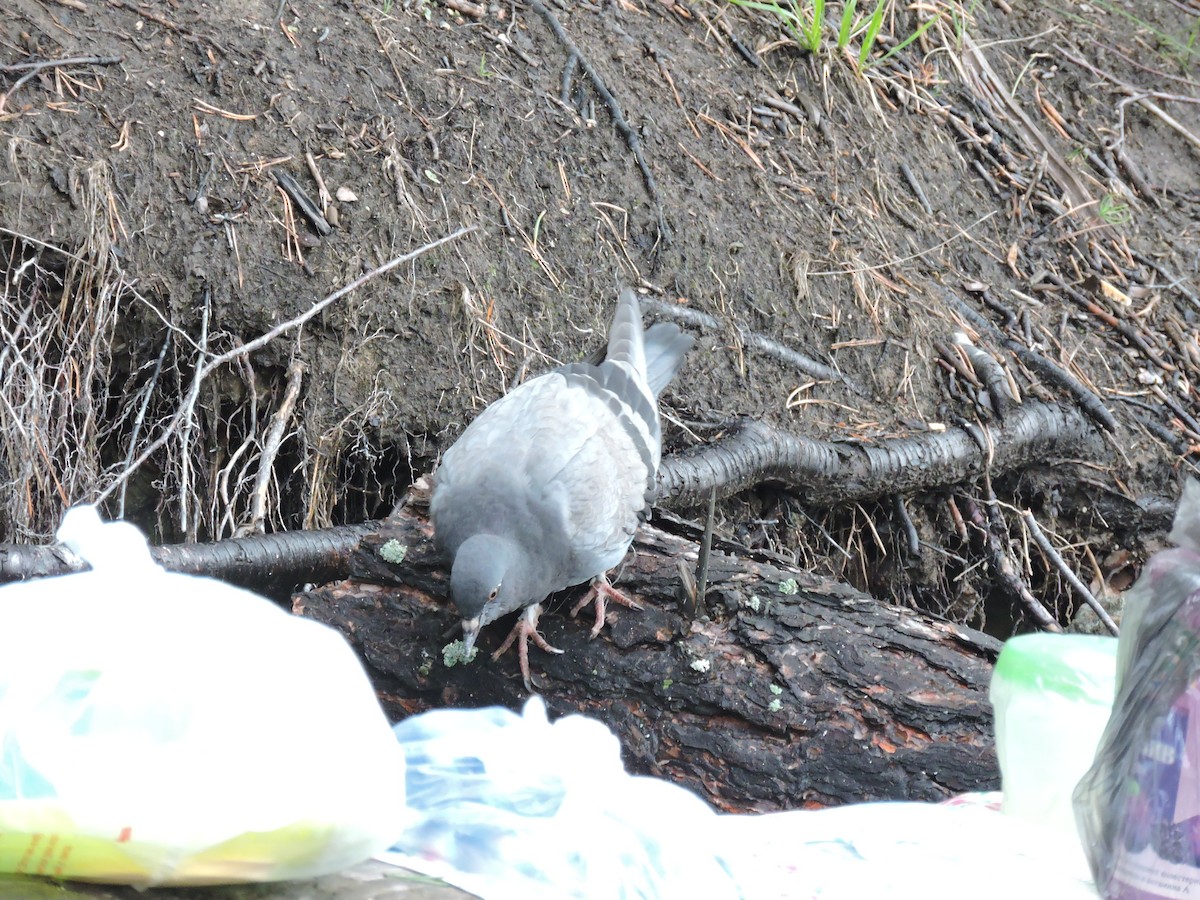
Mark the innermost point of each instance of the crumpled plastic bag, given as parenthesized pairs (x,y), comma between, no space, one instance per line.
(1138,806)
(158,728)
(533,809)
(513,807)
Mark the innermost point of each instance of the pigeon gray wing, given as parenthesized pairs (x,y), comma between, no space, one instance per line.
(576,449)
(485,479)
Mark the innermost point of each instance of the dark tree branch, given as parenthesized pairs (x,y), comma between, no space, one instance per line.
(273,564)
(829,473)
(750,453)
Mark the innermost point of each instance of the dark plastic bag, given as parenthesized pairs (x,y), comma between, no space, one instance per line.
(1138,807)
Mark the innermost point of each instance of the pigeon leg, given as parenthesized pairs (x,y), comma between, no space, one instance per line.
(601,592)
(524,631)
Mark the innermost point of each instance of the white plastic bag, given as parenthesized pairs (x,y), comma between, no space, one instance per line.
(512,806)
(158,728)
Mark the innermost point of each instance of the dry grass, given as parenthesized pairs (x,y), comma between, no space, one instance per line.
(57,312)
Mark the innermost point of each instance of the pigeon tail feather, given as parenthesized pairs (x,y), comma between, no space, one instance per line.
(633,411)
(625,337)
(665,347)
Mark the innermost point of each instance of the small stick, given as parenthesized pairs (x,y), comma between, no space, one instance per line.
(1089,402)
(266,460)
(705,552)
(742,50)
(302,200)
(955,361)
(960,527)
(69,61)
(32,68)
(916,187)
(910,530)
(1072,579)
(322,192)
(986,176)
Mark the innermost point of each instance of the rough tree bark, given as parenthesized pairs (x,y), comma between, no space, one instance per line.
(780,700)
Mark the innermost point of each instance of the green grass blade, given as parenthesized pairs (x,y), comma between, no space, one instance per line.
(872,32)
(847,24)
(813,33)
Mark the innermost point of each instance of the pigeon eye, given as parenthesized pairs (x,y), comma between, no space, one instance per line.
(492,594)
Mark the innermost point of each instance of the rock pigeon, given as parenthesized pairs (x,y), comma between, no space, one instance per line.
(545,488)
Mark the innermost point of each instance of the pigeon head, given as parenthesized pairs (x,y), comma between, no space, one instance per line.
(485,581)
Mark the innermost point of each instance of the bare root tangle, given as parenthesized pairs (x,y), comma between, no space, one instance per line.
(74,426)
(827,473)
(57,311)
(231,488)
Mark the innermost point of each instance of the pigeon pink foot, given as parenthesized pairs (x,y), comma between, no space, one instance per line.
(523,632)
(601,592)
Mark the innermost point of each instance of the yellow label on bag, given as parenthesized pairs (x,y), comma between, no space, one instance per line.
(53,848)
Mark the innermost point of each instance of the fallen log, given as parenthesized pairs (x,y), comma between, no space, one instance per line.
(798,692)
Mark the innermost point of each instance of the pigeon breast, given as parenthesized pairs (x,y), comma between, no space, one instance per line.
(580,455)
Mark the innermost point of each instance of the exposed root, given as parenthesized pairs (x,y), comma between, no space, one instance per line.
(826,473)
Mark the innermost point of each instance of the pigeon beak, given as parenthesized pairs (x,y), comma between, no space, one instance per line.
(470,629)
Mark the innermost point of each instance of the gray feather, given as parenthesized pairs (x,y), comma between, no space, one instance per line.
(625,341)
(665,346)
(556,473)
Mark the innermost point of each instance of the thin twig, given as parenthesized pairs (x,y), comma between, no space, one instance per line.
(614,108)
(1071,578)
(32,68)
(322,192)
(916,187)
(705,553)
(56,63)
(266,460)
(262,340)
